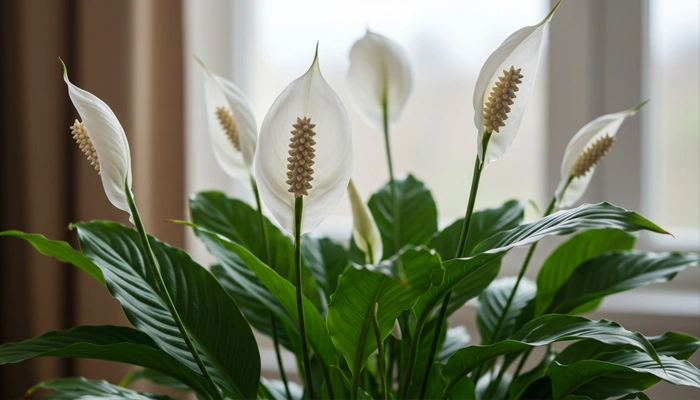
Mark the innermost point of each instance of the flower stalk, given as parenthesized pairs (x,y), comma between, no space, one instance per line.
(298,212)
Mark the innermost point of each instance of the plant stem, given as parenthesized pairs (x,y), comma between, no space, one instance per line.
(266,260)
(298,211)
(476,178)
(155,270)
(380,349)
(392,181)
(501,319)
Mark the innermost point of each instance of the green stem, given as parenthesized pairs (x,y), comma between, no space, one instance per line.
(392,181)
(298,212)
(442,316)
(155,270)
(380,349)
(493,386)
(266,260)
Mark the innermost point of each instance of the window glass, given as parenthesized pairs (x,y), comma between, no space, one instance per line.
(446,43)
(673,156)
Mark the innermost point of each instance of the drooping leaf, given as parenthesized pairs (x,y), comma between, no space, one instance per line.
(87,389)
(222,335)
(618,373)
(394,285)
(327,260)
(61,251)
(542,331)
(416,210)
(111,343)
(240,223)
(564,260)
(492,303)
(616,272)
(480,269)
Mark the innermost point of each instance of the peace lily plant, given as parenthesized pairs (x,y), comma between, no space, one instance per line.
(364,319)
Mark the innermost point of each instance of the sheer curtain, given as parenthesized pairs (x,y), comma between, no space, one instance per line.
(129,53)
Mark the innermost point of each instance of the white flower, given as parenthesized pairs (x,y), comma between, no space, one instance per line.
(365,231)
(575,177)
(509,76)
(379,74)
(319,164)
(232,128)
(102,128)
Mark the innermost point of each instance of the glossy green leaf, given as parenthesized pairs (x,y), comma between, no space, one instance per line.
(583,217)
(564,260)
(394,284)
(456,338)
(154,376)
(616,272)
(240,223)
(285,295)
(416,209)
(61,251)
(327,260)
(81,388)
(542,331)
(222,335)
(524,380)
(111,343)
(478,270)
(618,373)
(492,303)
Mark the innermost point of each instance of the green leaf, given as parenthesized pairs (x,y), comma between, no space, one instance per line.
(240,223)
(221,334)
(457,338)
(394,284)
(523,381)
(275,390)
(436,383)
(542,331)
(416,209)
(480,269)
(671,344)
(327,260)
(484,224)
(81,388)
(61,251)
(583,217)
(564,260)
(485,381)
(492,303)
(285,296)
(154,376)
(111,343)
(616,272)
(618,373)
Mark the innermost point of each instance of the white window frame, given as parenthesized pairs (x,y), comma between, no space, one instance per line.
(597,60)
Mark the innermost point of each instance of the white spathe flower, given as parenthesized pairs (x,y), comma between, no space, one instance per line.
(365,231)
(109,141)
(307,106)
(232,129)
(379,73)
(521,50)
(571,188)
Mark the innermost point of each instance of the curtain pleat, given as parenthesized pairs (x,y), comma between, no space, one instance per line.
(129,53)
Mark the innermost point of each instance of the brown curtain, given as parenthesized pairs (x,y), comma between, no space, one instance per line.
(129,53)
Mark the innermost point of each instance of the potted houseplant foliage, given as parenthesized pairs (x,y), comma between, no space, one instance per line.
(366,320)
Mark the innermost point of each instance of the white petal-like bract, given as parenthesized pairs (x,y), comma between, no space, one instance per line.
(567,195)
(520,50)
(311,97)
(110,143)
(379,72)
(365,231)
(223,96)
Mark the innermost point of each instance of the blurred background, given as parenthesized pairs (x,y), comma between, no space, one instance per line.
(599,57)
